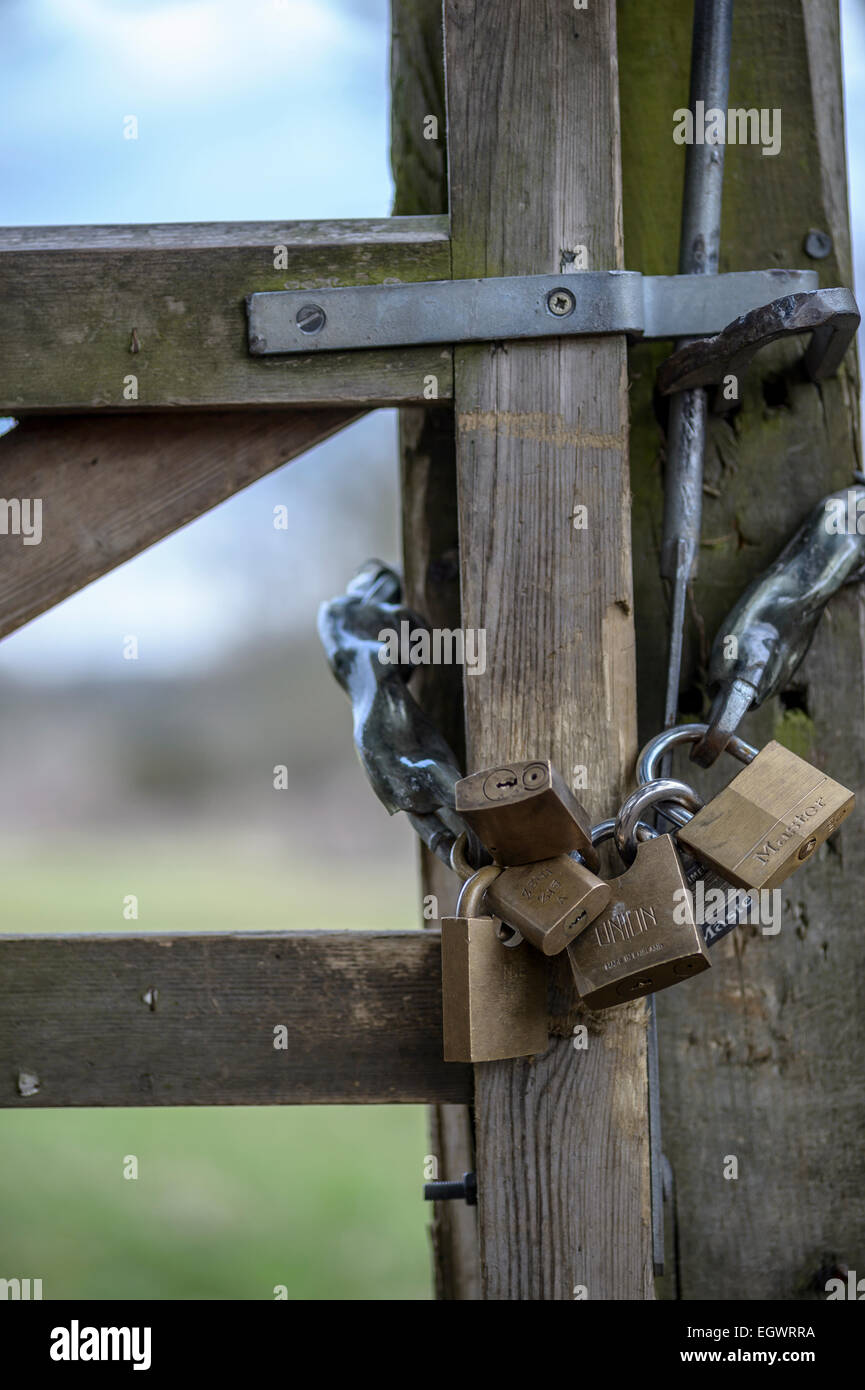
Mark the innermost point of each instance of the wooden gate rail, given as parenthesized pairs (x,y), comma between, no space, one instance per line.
(72,297)
(190,1019)
(110,486)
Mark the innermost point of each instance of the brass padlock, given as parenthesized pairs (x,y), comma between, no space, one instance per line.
(494,996)
(720,907)
(647,938)
(768,821)
(524,812)
(549,902)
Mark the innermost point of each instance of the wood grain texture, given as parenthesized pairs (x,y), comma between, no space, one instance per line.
(72,297)
(431,565)
(533,146)
(362,1013)
(417,92)
(761,1057)
(111,486)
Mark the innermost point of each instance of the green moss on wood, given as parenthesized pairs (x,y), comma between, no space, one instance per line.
(795,729)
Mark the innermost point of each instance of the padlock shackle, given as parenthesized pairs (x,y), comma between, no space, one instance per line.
(603,831)
(662,789)
(606,830)
(459,858)
(473,891)
(651,756)
(470,902)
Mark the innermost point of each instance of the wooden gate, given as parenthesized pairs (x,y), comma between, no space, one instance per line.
(500,444)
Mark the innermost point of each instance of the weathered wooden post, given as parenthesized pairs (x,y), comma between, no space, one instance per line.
(541,431)
(431,554)
(759,1055)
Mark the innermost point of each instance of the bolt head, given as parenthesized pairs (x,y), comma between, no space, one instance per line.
(561,302)
(817,244)
(310,318)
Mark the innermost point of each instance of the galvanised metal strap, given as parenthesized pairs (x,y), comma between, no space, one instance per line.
(518,306)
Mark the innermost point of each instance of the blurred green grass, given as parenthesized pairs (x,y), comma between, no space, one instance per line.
(192,885)
(229,1203)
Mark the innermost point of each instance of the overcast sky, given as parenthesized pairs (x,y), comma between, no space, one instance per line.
(263,110)
(249,111)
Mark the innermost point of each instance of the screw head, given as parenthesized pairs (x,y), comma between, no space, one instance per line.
(561,302)
(817,244)
(310,318)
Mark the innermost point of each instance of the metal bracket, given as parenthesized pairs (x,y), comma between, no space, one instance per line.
(830,316)
(520,306)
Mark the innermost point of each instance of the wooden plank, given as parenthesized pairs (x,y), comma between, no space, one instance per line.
(542,428)
(74,296)
(191,1019)
(418,138)
(111,486)
(431,562)
(761,1057)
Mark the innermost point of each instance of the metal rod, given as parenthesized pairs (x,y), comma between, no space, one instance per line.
(656,1157)
(704,163)
(699,245)
(698,255)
